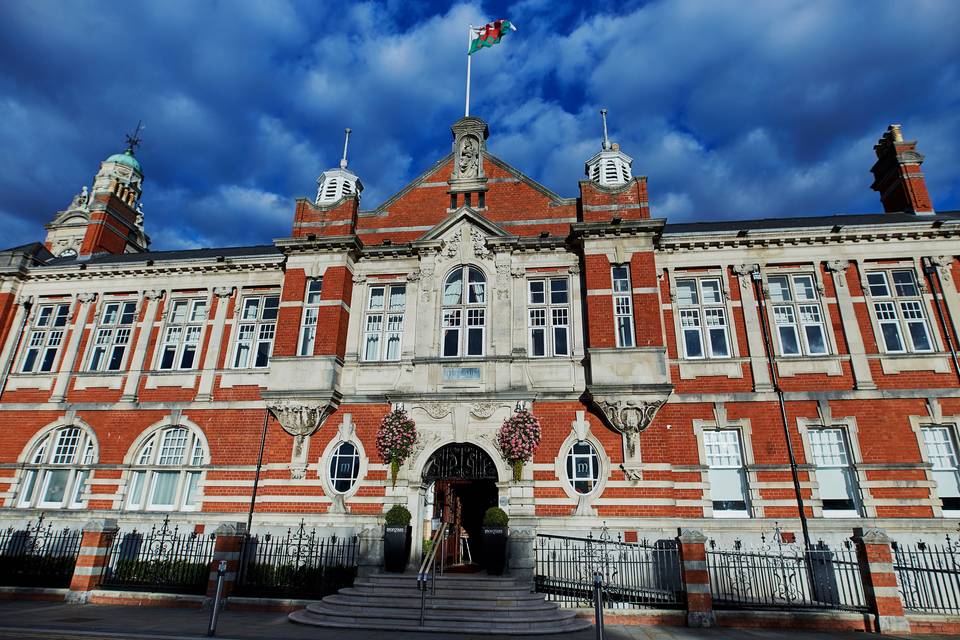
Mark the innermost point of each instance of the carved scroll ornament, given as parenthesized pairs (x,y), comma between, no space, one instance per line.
(630,418)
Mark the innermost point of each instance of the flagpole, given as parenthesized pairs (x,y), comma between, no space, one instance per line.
(466,108)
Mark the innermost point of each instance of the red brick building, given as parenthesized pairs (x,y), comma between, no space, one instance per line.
(666,362)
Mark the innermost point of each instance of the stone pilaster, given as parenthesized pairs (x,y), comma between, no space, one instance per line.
(140,349)
(72,347)
(214,347)
(227,547)
(862,377)
(880,581)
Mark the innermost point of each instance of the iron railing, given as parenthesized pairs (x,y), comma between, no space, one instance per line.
(300,564)
(785,576)
(38,555)
(427,573)
(633,574)
(162,559)
(928,576)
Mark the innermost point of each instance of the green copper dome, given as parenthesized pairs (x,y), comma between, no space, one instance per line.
(126,158)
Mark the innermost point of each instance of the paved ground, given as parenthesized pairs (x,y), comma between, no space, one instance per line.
(34,620)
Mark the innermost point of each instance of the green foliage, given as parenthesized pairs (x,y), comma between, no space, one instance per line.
(398,516)
(495,517)
(427,545)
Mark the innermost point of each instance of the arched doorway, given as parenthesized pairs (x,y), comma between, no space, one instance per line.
(461,482)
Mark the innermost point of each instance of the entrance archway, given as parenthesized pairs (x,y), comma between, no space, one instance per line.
(461,479)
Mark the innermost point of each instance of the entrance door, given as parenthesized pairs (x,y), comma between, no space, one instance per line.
(464,480)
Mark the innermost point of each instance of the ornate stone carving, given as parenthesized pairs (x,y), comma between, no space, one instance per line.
(630,418)
(25,301)
(479,243)
(837,266)
(299,419)
(436,410)
(468,157)
(745,273)
(80,200)
(223,292)
(574,269)
(86,298)
(483,410)
(451,246)
(427,438)
(153,294)
(518,272)
(298,471)
(359,278)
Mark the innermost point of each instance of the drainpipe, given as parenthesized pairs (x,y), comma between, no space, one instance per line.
(934,274)
(256,478)
(27,304)
(761,301)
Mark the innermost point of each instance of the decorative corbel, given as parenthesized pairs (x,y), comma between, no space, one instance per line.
(153,294)
(745,273)
(630,418)
(300,420)
(223,292)
(86,297)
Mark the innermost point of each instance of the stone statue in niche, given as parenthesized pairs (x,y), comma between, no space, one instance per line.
(469,157)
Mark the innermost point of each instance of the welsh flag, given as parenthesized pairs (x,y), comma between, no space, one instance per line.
(490,34)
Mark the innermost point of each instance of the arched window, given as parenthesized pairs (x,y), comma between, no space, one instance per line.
(464,314)
(166,471)
(57,469)
(583,467)
(344,467)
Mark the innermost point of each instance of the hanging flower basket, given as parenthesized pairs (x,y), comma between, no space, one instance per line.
(519,439)
(395,439)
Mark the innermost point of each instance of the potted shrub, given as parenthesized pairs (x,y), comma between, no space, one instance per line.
(495,540)
(396,539)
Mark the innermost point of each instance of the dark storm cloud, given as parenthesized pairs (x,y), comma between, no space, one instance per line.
(731,109)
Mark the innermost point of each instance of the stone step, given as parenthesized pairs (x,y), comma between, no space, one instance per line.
(389,606)
(510,616)
(485,627)
(456,579)
(394,595)
(372,588)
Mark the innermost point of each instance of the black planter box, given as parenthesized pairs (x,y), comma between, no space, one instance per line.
(495,549)
(396,548)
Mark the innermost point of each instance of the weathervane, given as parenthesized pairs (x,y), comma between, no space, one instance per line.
(133,141)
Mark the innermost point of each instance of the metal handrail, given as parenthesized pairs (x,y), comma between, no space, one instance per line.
(428,568)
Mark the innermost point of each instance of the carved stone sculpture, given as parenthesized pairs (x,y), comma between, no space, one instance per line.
(299,419)
(630,418)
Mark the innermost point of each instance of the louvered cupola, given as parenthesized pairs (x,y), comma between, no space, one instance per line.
(335,184)
(611,167)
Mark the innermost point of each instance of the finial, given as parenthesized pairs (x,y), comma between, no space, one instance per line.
(606,141)
(896,133)
(133,141)
(346,141)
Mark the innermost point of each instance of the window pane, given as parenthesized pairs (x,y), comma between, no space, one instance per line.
(919,336)
(451,342)
(344,467)
(110,313)
(263,353)
(625,331)
(583,467)
(191,491)
(621,279)
(129,310)
(538,342)
(891,336)
(779,290)
(816,341)
(905,284)
(474,342)
(271,305)
(393,346)
(313,291)
(116,358)
(398,295)
(372,349)
(376,297)
(250,308)
(164,488)
(477,287)
(49,355)
(453,288)
(26,491)
(687,293)
(805,288)
(199,312)
(178,312)
(788,341)
(560,346)
(136,488)
(558,291)
(79,486)
(537,295)
(711,291)
(877,283)
(56,487)
(692,344)
(718,343)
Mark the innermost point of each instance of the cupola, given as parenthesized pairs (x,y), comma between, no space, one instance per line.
(611,167)
(334,184)
(121,174)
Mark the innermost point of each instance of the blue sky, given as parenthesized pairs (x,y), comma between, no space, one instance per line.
(732,109)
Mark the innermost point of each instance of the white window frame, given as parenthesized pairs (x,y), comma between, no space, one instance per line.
(159,455)
(944,458)
(548,317)
(310,316)
(572,465)
(816,439)
(54,453)
(180,336)
(718,459)
(47,332)
(113,332)
(383,322)
(622,286)
(797,308)
(891,307)
(700,318)
(253,332)
(463,316)
(333,470)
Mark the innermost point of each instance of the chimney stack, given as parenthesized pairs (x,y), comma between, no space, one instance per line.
(897,175)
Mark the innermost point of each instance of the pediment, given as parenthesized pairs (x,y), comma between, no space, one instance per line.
(448,226)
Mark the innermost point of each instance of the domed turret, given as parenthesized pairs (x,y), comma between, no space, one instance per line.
(121,174)
(334,184)
(611,167)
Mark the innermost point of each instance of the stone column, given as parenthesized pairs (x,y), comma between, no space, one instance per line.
(70,353)
(880,581)
(98,536)
(140,349)
(759,365)
(862,377)
(227,547)
(214,346)
(696,579)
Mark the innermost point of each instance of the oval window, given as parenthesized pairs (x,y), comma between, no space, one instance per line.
(583,467)
(344,467)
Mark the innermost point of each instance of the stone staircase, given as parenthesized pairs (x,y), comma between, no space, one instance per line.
(463,603)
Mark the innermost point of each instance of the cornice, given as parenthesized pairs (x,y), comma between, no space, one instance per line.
(617,227)
(85,271)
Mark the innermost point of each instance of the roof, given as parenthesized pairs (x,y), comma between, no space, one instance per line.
(845,220)
(170,256)
(126,158)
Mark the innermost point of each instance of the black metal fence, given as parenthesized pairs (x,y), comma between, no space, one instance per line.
(300,564)
(38,555)
(785,576)
(162,559)
(634,574)
(928,576)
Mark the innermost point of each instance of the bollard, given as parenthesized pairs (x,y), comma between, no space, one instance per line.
(215,610)
(598,603)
